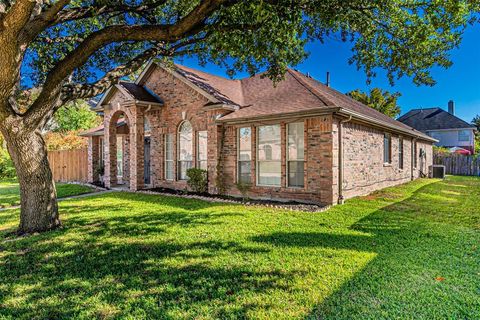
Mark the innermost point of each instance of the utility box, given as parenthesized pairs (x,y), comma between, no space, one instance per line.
(437,171)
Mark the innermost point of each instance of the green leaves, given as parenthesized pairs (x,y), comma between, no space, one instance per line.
(380,100)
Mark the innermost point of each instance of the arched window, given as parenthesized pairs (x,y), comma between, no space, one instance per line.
(185,149)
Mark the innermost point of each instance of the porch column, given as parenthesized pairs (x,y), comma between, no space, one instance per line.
(93,158)
(137,136)
(110,142)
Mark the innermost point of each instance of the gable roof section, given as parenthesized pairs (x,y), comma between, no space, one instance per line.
(433,119)
(131,91)
(256,97)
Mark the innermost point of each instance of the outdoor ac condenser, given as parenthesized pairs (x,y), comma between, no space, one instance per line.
(437,171)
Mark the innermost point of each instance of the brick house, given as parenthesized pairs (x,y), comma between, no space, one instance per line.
(299,140)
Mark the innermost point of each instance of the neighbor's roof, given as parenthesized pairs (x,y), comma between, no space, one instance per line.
(433,119)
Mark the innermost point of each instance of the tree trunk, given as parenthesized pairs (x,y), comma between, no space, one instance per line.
(39,209)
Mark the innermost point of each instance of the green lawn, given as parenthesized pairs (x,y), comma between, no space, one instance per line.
(410,252)
(10,193)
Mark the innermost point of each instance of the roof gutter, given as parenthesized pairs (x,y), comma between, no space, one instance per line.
(288,115)
(381,124)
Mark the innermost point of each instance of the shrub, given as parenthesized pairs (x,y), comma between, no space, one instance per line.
(244,188)
(197,180)
(7,169)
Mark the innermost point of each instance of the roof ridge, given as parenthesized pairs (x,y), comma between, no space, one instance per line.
(313,90)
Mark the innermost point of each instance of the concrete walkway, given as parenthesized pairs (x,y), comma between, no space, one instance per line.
(84,195)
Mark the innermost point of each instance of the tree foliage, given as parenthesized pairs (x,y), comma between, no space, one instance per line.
(75,116)
(476,122)
(380,100)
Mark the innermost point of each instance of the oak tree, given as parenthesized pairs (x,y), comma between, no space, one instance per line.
(380,100)
(76,49)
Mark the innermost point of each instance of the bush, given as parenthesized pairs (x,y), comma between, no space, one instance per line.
(7,169)
(244,189)
(197,180)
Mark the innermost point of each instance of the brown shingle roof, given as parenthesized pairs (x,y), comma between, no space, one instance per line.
(139,92)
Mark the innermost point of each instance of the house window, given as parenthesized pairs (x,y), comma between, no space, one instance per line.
(400,153)
(269,150)
(387,148)
(244,155)
(464,135)
(119,156)
(101,150)
(295,154)
(185,148)
(415,155)
(146,126)
(202,150)
(169,157)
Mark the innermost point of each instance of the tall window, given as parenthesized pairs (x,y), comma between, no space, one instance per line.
(295,154)
(101,150)
(169,157)
(119,156)
(185,147)
(415,155)
(245,155)
(202,150)
(387,148)
(269,150)
(400,153)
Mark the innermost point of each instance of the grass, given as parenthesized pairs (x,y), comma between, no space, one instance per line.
(406,252)
(10,192)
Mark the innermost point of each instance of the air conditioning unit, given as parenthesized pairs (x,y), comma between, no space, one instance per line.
(437,171)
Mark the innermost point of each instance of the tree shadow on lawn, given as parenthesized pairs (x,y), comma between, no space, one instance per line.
(106,266)
(425,265)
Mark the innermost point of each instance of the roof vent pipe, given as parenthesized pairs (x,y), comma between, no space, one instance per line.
(451,107)
(328,78)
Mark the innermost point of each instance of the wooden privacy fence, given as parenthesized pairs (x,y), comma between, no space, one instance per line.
(69,165)
(458,164)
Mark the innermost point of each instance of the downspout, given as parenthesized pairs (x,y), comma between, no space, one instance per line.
(341,199)
(412,160)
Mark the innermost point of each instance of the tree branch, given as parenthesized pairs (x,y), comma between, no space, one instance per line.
(189,25)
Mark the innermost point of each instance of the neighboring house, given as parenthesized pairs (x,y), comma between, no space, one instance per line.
(449,130)
(299,140)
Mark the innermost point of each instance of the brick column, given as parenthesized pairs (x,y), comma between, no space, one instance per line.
(110,142)
(137,137)
(93,158)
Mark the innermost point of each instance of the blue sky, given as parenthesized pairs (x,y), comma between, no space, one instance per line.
(461,82)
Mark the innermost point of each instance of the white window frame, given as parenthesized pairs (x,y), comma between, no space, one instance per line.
(179,162)
(199,160)
(389,160)
(287,155)
(172,160)
(401,153)
(467,135)
(120,141)
(257,162)
(238,154)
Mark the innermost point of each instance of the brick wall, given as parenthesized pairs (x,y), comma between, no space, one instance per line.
(364,167)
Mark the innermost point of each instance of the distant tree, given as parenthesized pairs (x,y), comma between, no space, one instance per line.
(476,122)
(378,99)
(75,116)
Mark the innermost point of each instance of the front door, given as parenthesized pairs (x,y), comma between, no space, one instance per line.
(146,159)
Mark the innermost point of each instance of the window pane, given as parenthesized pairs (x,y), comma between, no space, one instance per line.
(463,135)
(244,171)
(245,144)
(386,148)
(295,174)
(295,141)
(185,142)
(120,156)
(400,153)
(202,149)
(183,166)
(269,173)
(169,147)
(269,143)
(169,170)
